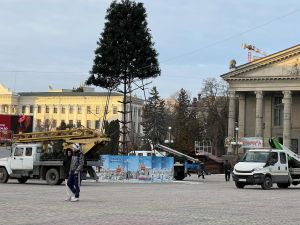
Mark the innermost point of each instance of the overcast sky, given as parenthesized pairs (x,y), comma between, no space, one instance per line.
(52,42)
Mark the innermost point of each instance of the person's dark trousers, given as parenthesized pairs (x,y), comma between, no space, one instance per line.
(74,183)
(227,176)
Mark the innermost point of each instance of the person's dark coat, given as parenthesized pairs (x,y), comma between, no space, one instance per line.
(227,167)
(67,164)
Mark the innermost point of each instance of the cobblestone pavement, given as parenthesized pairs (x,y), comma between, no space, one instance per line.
(209,201)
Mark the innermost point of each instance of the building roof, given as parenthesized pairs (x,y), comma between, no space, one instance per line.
(134,99)
(264,61)
(52,94)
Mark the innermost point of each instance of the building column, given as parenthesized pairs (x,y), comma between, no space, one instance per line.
(242,105)
(84,115)
(231,118)
(35,109)
(59,108)
(267,125)
(75,110)
(259,114)
(67,112)
(287,102)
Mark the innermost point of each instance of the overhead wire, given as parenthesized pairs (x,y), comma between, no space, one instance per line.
(184,54)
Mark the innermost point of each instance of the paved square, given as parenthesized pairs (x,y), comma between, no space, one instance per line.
(194,201)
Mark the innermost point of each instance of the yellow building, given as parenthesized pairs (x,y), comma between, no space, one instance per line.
(85,109)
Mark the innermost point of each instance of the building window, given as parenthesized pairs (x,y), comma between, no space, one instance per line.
(115,110)
(46,123)
(278,111)
(79,110)
(71,109)
(24,109)
(55,110)
(31,109)
(71,123)
(47,109)
(78,123)
(139,128)
(294,145)
(97,124)
(54,123)
(38,123)
(97,109)
(88,124)
(5,108)
(88,109)
(13,109)
(63,110)
(39,109)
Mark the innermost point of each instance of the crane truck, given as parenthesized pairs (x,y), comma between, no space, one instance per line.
(33,156)
(183,163)
(267,166)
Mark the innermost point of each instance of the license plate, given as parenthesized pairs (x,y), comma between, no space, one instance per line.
(242,180)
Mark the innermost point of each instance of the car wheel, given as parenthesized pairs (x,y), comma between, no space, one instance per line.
(3,175)
(267,183)
(239,185)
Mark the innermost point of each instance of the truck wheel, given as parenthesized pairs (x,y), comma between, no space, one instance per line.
(22,180)
(267,183)
(239,185)
(52,176)
(3,175)
(284,185)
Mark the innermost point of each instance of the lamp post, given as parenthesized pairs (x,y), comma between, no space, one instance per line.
(169,140)
(236,129)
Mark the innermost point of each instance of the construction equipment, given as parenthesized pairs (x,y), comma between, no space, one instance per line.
(88,138)
(33,156)
(183,164)
(252,48)
(265,166)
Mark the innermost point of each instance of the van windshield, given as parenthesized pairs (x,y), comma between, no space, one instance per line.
(256,157)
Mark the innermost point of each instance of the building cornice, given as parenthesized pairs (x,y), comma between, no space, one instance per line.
(270,59)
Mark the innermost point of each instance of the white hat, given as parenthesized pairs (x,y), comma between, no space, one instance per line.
(76,147)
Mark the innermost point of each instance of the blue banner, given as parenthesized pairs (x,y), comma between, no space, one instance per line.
(139,168)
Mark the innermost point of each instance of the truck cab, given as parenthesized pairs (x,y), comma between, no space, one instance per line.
(20,163)
(263,167)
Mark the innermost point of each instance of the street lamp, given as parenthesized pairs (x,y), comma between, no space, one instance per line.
(236,137)
(169,140)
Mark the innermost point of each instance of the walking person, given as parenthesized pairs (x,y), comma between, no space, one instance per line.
(227,170)
(75,172)
(66,164)
(201,170)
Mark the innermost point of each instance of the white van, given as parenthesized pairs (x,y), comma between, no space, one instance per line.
(267,166)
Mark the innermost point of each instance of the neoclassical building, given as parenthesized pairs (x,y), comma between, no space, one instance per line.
(52,107)
(264,98)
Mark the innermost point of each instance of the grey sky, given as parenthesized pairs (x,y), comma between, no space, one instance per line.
(53,41)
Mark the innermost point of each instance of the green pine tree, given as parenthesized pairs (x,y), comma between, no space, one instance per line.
(154,118)
(125,49)
(184,140)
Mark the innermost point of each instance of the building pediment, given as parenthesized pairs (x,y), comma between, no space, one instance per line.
(278,66)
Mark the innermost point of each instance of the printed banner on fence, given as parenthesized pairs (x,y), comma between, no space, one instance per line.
(137,168)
